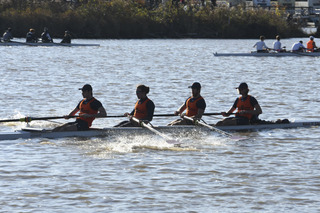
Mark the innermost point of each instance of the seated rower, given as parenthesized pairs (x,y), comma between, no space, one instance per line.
(7,36)
(277,46)
(31,36)
(261,46)
(90,108)
(195,106)
(311,45)
(143,110)
(66,38)
(45,36)
(298,47)
(248,109)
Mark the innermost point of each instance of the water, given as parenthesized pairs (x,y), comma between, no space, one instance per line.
(271,171)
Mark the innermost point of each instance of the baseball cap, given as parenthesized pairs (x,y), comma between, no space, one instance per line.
(86,87)
(243,85)
(196,85)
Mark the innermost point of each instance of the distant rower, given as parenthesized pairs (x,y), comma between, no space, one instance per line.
(45,36)
(261,46)
(298,47)
(277,45)
(311,45)
(31,36)
(66,38)
(7,36)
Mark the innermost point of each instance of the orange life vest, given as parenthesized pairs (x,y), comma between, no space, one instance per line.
(85,108)
(310,45)
(245,105)
(140,110)
(192,108)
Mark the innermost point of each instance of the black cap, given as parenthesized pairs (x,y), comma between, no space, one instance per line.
(196,85)
(86,87)
(242,86)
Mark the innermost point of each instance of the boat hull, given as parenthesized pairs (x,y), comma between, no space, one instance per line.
(47,44)
(271,54)
(39,133)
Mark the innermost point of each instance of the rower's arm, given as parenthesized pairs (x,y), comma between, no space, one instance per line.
(181,109)
(101,113)
(74,112)
(199,114)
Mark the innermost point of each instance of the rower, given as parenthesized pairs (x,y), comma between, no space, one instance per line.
(298,47)
(45,36)
(90,108)
(261,46)
(248,109)
(66,38)
(195,106)
(31,36)
(143,109)
(277,45)
(7,36)
(311,45)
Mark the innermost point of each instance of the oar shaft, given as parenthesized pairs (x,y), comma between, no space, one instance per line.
(143,124)
(208,126)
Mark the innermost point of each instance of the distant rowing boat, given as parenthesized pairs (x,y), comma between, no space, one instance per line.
(271,54)
(39,133)
(15,43)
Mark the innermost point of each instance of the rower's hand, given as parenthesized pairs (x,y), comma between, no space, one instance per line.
(224,114)
(67,116)
(126,114)
(176,113)
(182,115)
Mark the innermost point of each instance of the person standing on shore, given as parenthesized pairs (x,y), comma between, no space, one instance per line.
(261,46)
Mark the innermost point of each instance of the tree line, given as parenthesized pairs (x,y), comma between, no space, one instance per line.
(119,19)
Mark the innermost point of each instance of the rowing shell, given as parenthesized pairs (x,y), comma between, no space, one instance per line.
(271,54)
(47,44)
(40,133)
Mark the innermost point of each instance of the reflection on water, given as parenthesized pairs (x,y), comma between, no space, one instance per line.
(274,170)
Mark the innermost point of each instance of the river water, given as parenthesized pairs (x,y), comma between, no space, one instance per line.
(270,171)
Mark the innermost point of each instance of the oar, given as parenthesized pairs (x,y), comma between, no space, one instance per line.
(214,129)
(197,122)
(211,113)
(29,119)
(164,136)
